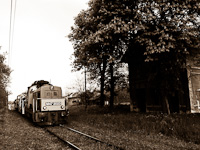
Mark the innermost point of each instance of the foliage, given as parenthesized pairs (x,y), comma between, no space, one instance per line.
(93,48)
(165,31)
(169,31)
(4,80)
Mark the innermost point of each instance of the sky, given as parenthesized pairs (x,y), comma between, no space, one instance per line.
(41,49)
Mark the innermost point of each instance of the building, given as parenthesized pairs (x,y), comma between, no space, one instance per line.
(74,99)
(148,93)
(193,74)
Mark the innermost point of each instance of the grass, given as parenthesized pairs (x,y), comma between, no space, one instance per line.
(181,126)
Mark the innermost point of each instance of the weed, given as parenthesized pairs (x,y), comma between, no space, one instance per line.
(182,126)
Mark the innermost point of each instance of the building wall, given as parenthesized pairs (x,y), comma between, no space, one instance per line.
(74,101)
(193,72)
(147,90)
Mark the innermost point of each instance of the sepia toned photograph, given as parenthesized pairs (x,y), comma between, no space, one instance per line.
(99,75)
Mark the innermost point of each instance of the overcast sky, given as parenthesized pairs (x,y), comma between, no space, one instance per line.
(40,49)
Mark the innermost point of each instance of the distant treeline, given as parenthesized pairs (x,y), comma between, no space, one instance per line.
(4,80)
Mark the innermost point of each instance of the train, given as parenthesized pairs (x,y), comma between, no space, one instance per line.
(43,104)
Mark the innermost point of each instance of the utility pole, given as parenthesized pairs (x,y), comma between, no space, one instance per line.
(85,91)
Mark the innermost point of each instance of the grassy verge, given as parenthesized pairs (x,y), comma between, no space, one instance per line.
(181,126)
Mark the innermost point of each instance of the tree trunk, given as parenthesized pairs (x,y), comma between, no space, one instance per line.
(165,103)
(102,92)
(85,95)
(132,89)
(111,86)
(164,94)
(102,97)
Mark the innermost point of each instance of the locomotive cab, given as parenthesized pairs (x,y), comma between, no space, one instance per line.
(48,99)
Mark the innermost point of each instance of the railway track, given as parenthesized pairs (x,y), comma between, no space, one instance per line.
(62,140)
(64,137)
(93,138)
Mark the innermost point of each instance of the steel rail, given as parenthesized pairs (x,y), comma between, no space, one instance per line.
(64,141)
(93,138)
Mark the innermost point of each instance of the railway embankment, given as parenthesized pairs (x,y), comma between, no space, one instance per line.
(17,132)
(138,130)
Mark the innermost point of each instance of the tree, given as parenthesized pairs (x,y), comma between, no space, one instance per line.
(99,44)
(86,56)
(165,32)
(4,81)
(169,31)
(161,31)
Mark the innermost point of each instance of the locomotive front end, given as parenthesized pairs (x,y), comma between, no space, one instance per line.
(49,108)
(52,104)
(51,111)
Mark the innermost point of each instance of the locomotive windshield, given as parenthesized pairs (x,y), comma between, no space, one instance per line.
(51,94)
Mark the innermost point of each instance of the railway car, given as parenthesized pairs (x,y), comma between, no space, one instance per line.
(43,104)
(20,103)
(15,104)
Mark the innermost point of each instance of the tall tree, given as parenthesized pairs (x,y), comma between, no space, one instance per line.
(100,46)
(92,57)
(163,30)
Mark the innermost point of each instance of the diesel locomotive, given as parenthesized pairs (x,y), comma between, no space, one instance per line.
(43,104)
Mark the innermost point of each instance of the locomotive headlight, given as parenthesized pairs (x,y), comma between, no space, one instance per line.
(62,107)
(44,107)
